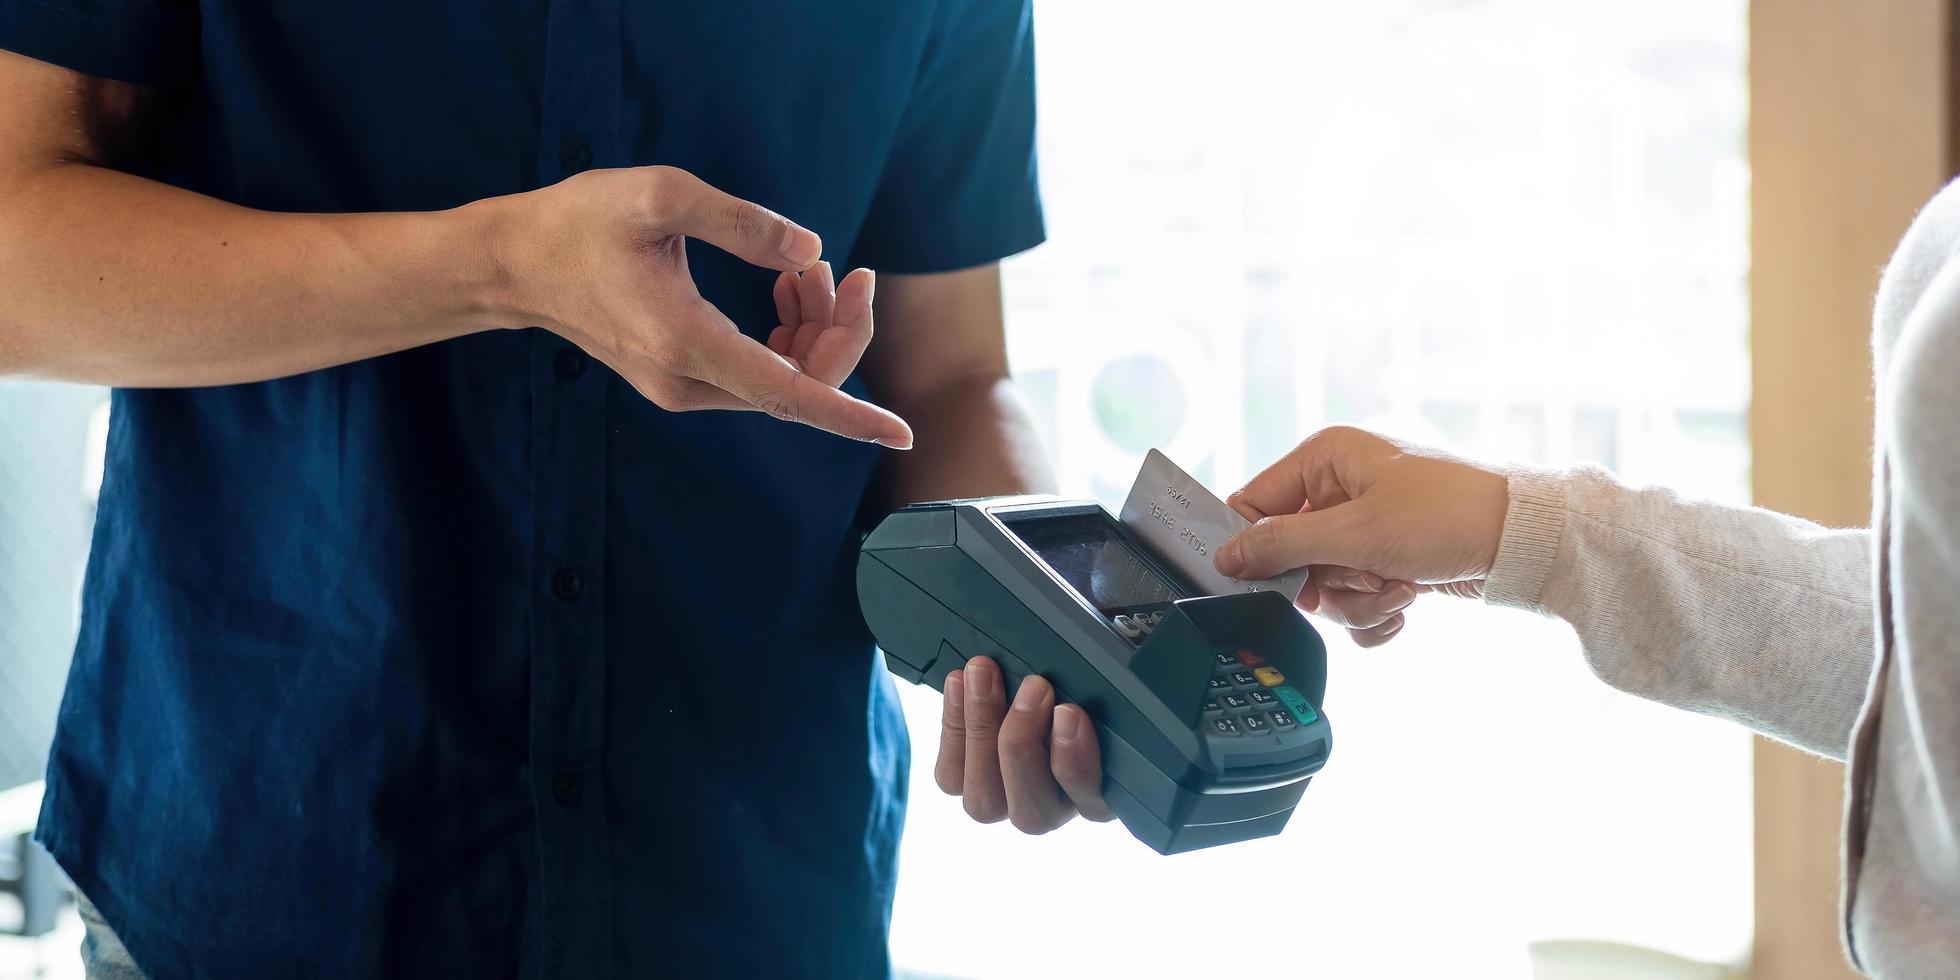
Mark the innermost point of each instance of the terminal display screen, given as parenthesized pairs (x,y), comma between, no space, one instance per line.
(1089,554)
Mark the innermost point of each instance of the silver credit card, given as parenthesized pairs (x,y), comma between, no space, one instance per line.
(1185,525)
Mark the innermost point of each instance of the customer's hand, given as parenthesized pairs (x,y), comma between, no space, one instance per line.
(1379,521)
(601,259)
(1035,763)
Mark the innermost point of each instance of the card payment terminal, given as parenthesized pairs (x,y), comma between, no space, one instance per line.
(1207,707)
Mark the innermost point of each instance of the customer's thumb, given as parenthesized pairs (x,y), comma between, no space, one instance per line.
(1339,535)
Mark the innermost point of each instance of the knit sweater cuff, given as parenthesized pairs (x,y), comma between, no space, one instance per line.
(1534,522)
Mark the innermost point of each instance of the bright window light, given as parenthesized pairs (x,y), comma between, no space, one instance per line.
(1514,227)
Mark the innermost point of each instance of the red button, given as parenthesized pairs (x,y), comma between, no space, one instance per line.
(1250,659)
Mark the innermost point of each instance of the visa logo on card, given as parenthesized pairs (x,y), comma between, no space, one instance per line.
(1185,524)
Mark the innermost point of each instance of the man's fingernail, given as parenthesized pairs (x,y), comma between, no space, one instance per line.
(1399,596)
(1229,561)
(1068,723)
(1027,698)
(799,244)
(901,441)
(981,676)
(870,284)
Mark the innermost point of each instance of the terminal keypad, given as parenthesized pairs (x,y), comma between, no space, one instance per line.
(1247,697)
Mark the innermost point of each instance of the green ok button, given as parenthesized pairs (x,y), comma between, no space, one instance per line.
(1296,703)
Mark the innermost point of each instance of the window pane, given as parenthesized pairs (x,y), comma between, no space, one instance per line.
(49,464)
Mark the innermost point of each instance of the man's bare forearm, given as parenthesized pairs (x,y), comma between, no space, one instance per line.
(112,278)
(941,361)
(115,279)
(974,439)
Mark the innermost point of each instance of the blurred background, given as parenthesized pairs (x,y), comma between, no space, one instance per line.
(1517,228)
(1520,228)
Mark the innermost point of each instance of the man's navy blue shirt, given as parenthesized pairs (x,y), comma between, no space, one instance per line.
(469,661)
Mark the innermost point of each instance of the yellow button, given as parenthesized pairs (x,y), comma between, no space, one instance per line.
(1269,676)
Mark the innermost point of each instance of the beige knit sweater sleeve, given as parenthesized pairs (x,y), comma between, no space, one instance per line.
(1737,612)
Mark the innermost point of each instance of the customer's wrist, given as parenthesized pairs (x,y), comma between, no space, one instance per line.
(1534,524)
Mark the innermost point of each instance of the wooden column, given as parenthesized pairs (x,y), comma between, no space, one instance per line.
(1851,130)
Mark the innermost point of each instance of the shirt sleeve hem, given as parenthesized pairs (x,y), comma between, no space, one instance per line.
(1534,524)
(961,252)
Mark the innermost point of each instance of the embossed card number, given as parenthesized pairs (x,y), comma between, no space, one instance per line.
(1182,522)
(1165,513)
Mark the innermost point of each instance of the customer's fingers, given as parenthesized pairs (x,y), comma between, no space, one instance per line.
(1366,610)
(1309,597)
(1326,577)
(1035,803)
(1469,588)
(1304,478)
(1377,635)
(1076,760)
(986,707)
(1345,534)
(949,771)
(1351,579)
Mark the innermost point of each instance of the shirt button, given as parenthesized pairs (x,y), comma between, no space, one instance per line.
(566,584)
(567,788)
(574,154)
(569,364)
